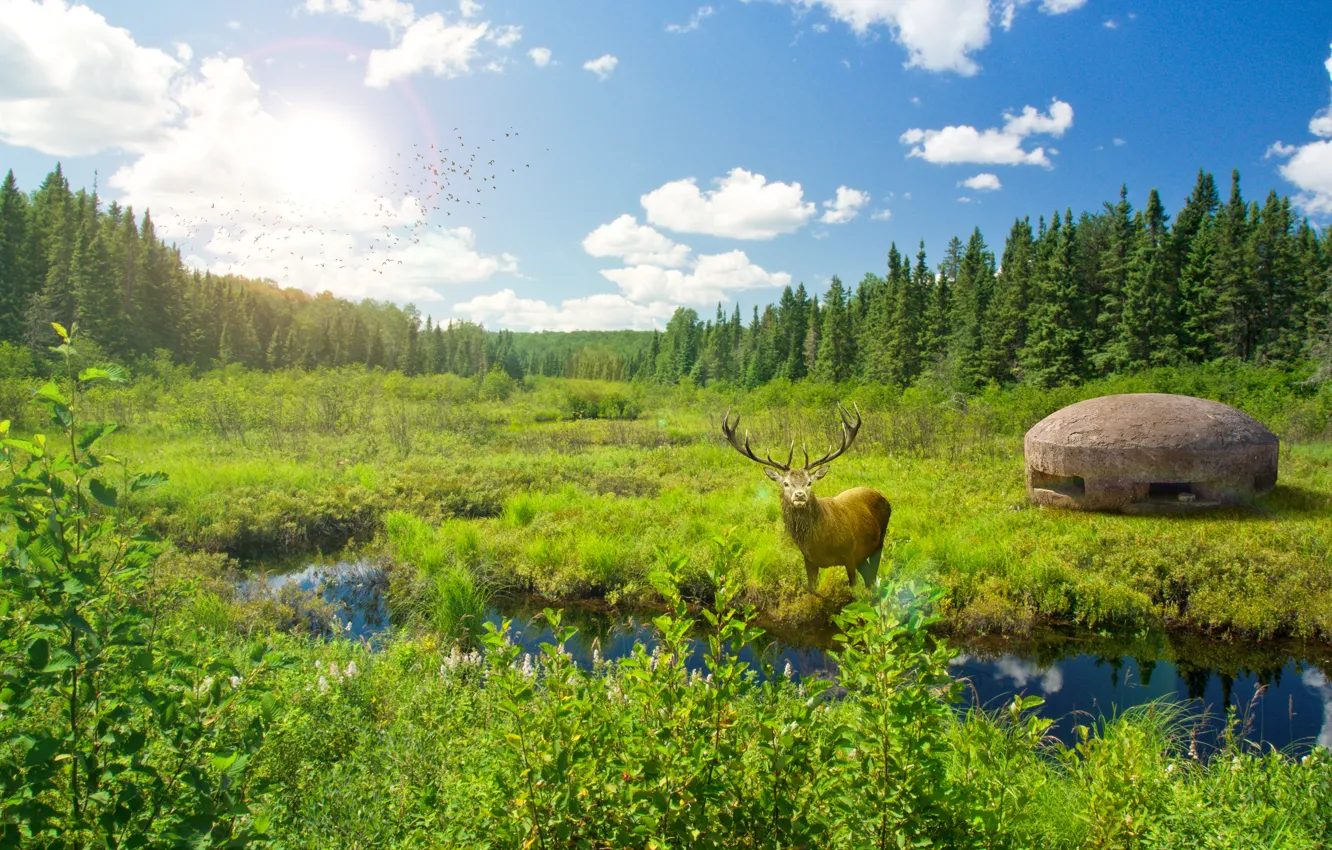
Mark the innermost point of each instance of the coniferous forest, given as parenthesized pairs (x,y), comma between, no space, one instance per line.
(1064,300)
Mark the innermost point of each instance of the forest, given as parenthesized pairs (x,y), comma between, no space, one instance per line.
(1068,299)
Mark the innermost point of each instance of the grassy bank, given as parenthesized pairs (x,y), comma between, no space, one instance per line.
(525,497)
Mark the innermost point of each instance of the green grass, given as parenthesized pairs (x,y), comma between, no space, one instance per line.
(575,509)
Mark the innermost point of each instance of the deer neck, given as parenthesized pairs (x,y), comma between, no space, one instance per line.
(800,522)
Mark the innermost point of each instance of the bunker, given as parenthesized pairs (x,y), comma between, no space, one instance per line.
(1148,452)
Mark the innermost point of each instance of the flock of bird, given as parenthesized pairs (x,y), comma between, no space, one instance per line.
(275,236)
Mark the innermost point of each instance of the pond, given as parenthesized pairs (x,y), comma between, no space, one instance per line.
(1280,690)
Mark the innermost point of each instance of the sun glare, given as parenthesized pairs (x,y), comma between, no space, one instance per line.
(319,155)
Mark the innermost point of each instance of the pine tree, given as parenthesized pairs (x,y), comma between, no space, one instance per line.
(1004,331)
(971,291)
(1054,339)
(1201,317)
(1233,268)
(1146,333)
(15,275)
(836,354)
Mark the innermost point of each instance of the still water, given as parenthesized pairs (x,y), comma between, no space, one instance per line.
(1281,690)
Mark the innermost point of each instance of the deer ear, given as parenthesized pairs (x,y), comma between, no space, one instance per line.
(818,473)
(773,474)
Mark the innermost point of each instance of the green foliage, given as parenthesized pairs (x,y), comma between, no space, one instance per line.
(115,732)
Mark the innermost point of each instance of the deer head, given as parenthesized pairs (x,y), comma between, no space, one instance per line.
(796,482)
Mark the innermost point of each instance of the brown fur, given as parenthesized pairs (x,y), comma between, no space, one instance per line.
(841,531)
(845,530)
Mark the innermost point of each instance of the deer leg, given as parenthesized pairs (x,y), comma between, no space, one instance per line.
(869,568)
(811,576)
(851,577)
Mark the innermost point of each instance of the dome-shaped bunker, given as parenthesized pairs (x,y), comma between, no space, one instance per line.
(1149,451)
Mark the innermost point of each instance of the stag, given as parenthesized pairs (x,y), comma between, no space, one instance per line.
(844,530)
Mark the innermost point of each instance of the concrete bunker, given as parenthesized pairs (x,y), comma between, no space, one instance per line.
(1146,452)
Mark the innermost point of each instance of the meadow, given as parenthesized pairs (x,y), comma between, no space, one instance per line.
(144,702)
(570,490)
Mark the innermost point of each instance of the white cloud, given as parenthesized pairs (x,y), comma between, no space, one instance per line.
(1022,673)
(72,84)
(635,244)
(939,35)
(606,311)
(1309,166)
(882,215)
(1316,681)
(845,206)
(1110,24)
(964,200)
(540,56)
(694,22)
(983,182)
(602,66)
(966,144)
(428,43)
(743,206)
(1118,142)
(711,279)
(233,25)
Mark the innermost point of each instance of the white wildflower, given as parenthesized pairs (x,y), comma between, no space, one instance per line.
(1170,768)
(787,671)
(323,684)
(352,670)
(333,670)
(235,682)
(527,669)
(205,686)
(596,657)
(1235,763)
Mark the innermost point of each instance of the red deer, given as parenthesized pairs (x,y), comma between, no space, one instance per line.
(844,530)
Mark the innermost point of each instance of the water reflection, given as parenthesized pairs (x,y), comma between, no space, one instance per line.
(1280,692)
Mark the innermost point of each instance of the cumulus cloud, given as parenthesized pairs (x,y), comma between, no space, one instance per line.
(634,243)
(430,43)
(602,66)
(540,56)
(1051,680)
(743,206)
(845,206)
(1316,681)
(606,311)
(710,280)
(966,144)
(939,35)
(882,215)
(72,84)
(1309,166)
(694,23)
(983,182)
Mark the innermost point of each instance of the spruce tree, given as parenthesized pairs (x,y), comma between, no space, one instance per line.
(1054,339)
(15,275)
(836,352)
(1004,331)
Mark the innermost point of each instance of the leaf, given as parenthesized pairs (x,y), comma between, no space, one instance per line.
(104,494)
(146,480)
(41,752)
(39,653)
(24,446)
(90,436)
(60,329)
(60,661)
(221,762)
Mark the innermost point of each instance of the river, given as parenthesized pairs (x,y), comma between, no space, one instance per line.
(1282,689)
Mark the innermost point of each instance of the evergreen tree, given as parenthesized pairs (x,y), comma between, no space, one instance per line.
(15,276)
(1004,331)
(1054,339)
(836,352)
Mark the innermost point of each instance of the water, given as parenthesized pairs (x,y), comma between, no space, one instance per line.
(1283,691)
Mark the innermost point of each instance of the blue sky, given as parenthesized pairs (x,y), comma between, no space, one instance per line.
(660,153)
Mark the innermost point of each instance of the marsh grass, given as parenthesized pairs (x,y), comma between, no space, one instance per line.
(574,509)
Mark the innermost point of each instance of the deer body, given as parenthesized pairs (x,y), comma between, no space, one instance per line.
(845,530)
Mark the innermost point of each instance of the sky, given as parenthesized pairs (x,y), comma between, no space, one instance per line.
(585,164)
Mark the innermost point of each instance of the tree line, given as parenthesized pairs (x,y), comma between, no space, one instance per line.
(1114,290)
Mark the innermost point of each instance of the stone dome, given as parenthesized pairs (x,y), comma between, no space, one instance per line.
(1149,451)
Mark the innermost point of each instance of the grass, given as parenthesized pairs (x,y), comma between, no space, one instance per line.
(579,509)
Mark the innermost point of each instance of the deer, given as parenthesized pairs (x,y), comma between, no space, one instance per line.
(844,530)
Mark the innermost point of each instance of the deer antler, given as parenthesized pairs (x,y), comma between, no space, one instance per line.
(849,433)
(728,429)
